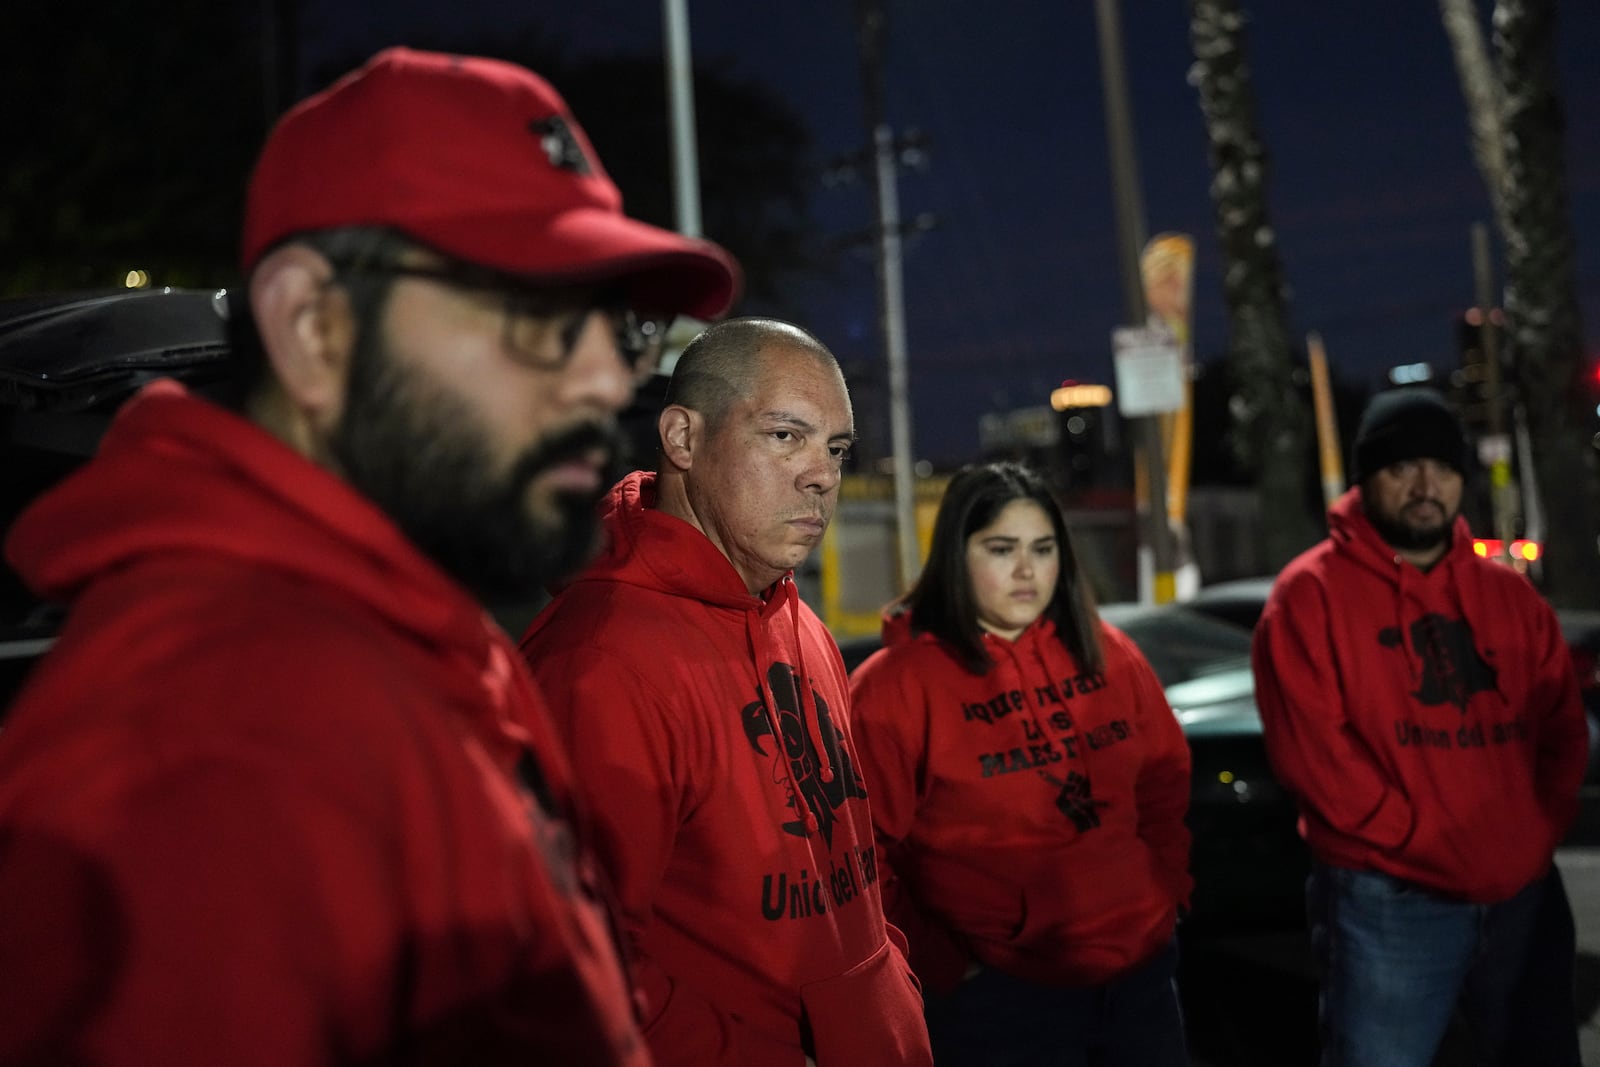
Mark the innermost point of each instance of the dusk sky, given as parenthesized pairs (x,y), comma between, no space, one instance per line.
(1372,186)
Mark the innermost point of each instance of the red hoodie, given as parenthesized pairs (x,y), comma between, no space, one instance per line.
(1031,817)
(1429,722)
(281,794)
(732,815)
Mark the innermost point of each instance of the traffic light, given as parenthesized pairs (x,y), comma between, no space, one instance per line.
(1471,382)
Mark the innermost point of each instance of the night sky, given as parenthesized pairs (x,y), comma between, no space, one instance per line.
(1372,186)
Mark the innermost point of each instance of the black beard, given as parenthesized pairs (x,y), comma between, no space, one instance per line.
(419,454)
(1407,538)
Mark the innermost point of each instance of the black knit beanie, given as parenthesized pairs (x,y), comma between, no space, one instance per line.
(1408,424)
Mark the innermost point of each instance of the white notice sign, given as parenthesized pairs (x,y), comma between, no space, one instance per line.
(1149,368)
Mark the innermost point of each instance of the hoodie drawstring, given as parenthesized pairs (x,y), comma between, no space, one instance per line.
(1414,664)
(1029,703)
(808,704)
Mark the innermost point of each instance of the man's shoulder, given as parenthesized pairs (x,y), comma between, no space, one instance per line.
(210,609)
(1514,602)
(335,700)
(1308,574)
(1500,580)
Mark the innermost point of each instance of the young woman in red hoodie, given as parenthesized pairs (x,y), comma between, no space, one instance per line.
(1028,783)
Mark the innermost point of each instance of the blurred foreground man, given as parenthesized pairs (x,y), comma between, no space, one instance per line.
(1420,702)
(283,794)
(707,711)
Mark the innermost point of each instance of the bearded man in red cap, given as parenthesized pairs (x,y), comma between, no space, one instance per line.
(283,793)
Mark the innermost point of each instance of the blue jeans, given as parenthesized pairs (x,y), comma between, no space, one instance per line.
(1395,961)
(995,1020)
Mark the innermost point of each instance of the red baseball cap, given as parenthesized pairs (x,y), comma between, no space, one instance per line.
(480,160)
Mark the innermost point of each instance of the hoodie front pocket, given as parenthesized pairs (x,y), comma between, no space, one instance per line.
(870,1014)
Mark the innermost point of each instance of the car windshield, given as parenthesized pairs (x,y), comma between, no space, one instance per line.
(1181,645)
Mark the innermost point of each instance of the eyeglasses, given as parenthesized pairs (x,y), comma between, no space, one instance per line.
(533,314)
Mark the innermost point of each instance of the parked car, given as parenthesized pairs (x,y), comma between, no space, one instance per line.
(1240,600)
(67,361)
(1248,860)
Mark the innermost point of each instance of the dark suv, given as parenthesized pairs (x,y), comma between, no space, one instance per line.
(67,361)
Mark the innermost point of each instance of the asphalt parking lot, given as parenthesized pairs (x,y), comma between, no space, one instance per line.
(1250,998)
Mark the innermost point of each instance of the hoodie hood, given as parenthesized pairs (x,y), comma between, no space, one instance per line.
(176,474)
(1353,534)
(681,560)
(897,628)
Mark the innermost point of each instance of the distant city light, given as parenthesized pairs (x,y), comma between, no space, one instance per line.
(1078,395)
(1411,373)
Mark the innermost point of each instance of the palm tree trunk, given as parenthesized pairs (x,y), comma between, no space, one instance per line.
(1541,301)
(1271,419)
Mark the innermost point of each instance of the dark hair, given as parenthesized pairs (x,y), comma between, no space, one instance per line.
(941,602)
(368,291)
(722,363)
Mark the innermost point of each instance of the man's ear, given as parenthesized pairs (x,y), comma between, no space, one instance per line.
(681,430)
(307,331)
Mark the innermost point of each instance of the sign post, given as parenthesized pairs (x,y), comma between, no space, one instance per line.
(1149,373)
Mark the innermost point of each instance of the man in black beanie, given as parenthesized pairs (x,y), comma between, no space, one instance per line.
(1420,703)
(1408,426)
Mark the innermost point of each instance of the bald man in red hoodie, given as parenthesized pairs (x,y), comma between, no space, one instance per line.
(708,715)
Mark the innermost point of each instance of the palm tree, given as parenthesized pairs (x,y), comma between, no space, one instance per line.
(1271,419)
(1516,117)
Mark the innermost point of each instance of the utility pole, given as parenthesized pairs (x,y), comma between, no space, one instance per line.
(1330,459)
(680,97)
(872,26)
(1129,205)
(280,57)
(1502,492)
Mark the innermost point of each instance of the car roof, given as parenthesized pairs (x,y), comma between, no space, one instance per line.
(90,350)
(67,362)
(1235,589)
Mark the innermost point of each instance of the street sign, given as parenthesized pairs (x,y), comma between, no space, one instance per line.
(1494,448)
(1149,367)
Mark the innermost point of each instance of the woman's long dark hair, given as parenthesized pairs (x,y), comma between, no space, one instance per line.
(942,603)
